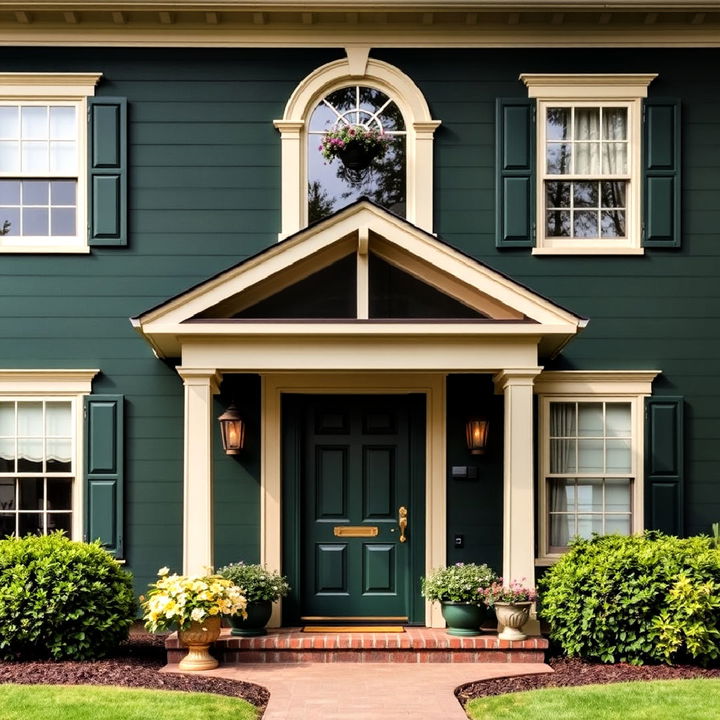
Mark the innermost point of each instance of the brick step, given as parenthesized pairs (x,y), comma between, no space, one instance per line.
(415,645)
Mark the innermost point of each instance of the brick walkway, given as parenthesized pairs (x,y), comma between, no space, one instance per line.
(367,691)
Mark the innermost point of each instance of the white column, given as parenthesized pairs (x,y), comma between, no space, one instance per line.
(518,474)
(198,526)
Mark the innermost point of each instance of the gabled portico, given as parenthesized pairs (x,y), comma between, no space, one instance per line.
(235,323)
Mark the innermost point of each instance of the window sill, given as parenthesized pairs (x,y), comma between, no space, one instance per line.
(546,561)
(45,249)
(588,251)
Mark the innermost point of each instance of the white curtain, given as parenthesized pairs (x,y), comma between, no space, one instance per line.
(563,430)
(35,421)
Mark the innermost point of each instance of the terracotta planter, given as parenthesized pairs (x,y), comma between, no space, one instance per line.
(463,619)
(198,638)
(512,616)
(258,614)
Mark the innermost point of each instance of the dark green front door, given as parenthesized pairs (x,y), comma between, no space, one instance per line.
(360,470)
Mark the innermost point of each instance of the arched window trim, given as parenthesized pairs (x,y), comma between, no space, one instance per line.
(294,124)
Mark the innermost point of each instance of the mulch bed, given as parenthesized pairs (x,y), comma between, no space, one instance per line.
(136,664)
(571,673)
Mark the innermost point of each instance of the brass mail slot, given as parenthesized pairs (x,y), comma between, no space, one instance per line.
(355,531)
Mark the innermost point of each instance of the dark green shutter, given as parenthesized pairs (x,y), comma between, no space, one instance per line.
(662,165)
(104,470)
(664,464)
(515,172)
(107,180)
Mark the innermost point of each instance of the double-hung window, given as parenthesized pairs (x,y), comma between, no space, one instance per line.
(588,162)
(43,121)
(38,466)
(590,455)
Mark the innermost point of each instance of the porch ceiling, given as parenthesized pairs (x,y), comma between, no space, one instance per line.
(201,324)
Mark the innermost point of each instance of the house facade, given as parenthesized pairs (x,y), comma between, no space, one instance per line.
(533,257)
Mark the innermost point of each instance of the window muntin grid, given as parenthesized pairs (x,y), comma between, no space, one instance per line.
(39,160)
(591,470)
(586,161)
(37,450)
(330,187)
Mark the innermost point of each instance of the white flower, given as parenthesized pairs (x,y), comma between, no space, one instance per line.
(163,571)
(197,614)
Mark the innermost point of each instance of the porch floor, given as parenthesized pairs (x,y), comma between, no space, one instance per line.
(415,645)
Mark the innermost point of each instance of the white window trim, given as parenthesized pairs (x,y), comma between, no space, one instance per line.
(71,385)
(622,90)
(55,88)
(356,69)
(631,386)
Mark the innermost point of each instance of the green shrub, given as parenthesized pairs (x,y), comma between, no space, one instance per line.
(62,600)
(256,581)
(461,582)
(644,598)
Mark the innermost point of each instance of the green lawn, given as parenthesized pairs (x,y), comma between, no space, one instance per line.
(658,700)
(88,702)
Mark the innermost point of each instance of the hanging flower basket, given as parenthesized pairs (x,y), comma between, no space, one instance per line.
(356,146)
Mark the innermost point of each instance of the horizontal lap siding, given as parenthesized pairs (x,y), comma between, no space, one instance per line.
(204,192)
(657,311)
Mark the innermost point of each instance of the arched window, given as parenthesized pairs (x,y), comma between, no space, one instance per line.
(363,93)
(332,184)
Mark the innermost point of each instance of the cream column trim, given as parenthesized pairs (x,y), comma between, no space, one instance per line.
(198,538)
(518,474)
(432,385)
(294,175)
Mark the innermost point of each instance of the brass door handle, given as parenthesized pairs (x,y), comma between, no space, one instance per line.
(402,522)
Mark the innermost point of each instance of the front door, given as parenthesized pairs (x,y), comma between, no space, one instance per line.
(359,506)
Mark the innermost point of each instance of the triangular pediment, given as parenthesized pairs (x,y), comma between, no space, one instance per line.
(362,264)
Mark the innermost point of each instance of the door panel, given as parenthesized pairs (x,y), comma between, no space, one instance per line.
(354,472)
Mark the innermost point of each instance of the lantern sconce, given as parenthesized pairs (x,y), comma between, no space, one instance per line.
(476,432)
(232,430)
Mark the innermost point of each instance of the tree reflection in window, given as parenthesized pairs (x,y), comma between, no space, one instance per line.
(330,186)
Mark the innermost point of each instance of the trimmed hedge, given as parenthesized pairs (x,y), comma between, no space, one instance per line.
(644,598)
(61,599)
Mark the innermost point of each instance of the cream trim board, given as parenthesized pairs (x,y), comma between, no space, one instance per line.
(55,86)
(596,382)
(293,127)
(431,385)
(46,382)
(545,557)
(587,86)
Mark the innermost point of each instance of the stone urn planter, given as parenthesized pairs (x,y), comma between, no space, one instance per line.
(258,614)
(463,618)
(198,638)
(512,616)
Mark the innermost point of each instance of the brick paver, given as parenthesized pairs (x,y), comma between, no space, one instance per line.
(366,691)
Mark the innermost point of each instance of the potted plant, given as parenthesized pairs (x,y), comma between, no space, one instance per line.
(193,605)
(512,605)
(457,588)
(261,587)
(355,145)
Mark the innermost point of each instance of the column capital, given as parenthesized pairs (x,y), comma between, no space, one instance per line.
(201,376)
(515,377)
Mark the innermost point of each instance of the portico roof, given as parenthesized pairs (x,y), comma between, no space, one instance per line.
(499,309)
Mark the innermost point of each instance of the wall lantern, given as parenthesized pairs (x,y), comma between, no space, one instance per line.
(476,431)
(232,429)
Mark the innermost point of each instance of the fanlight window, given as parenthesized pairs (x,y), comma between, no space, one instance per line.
(334,183)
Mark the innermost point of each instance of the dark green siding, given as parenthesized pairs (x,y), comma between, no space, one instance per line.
(204,192)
